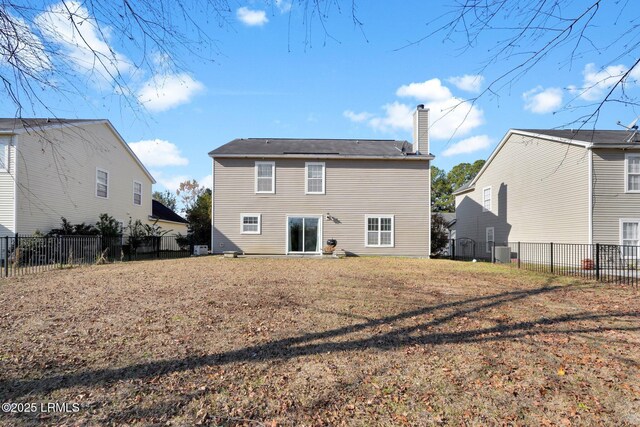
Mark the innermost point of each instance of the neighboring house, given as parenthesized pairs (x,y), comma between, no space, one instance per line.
(450,220)
(558,186)
(288,196)
(75,169)
(450,224)
(167,219)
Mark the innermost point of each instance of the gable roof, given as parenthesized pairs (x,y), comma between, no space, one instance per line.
(14,126)
(583,138)
(595,137)
(20,125)
(161,212)
(326,148)
(465,186)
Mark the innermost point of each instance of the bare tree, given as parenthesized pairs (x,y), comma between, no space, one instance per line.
(69,44)
(66,45)
(547,36)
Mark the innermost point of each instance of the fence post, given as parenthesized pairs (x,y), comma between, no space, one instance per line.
(6,256)
(598,261)
(158,243)
(551,247)
(519,254)
(493,252)
(453,248)
(17,254)
(61,250)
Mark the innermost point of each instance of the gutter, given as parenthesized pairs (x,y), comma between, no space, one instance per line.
(320,156)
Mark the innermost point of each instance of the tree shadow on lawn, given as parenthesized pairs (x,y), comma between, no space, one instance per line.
(288,348)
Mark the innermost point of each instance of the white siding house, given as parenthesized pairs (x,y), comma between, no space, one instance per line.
(558,186)
(75,169)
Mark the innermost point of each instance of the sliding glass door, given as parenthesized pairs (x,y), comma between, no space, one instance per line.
(303,234)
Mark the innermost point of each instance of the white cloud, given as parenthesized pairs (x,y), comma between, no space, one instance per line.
(542,101)
(170,182)
(252,17)
(397,116)
(448,116)
(468,82)
(83,41)
(283,6)
(597,82)
(469,145)
(430,90)
(453,117)
(20,47)
(158,152)
(163,92)
(357,117)
(206,181)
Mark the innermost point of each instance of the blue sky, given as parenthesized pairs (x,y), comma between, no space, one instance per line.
(277,76)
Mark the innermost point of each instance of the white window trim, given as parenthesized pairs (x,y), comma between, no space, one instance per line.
(273,177)
(245,215)
(5,153)
(108,179)
(622,221)
(306,177)
(487,246)
(490,199)
(366,231)
(134,192)
(626,172)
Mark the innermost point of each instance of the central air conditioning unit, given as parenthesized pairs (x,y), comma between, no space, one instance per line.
(200,250)
(502,254)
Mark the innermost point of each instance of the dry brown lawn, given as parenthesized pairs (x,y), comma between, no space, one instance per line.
(369,341)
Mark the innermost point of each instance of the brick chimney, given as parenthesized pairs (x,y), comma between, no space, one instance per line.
(421,130)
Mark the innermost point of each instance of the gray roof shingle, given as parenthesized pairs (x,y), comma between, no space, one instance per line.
(463,187)
(597,137)
(160,211)
(11,124)
(322,147)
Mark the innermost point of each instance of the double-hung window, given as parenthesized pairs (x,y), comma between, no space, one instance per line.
(314,182)
(250,223)
(632,172)
(379,230)
(265,177)
(486,199)
(137,193)
(4,153)
(630,237)
(102,183)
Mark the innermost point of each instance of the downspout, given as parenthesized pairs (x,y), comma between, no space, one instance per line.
(213,198)
(14,143)
(590,216)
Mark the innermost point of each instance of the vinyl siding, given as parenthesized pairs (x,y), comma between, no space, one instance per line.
(57,178)
(539,194)
(610,201)
(175,227)
(353,189)
(7,221)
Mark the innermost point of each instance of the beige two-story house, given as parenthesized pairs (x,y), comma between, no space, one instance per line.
(560,186)
(289,196)
(77,169)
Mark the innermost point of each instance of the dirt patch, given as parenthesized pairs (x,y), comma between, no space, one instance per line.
(318,342)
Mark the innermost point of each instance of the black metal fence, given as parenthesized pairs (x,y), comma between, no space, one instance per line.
(606,263)
(20,255)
